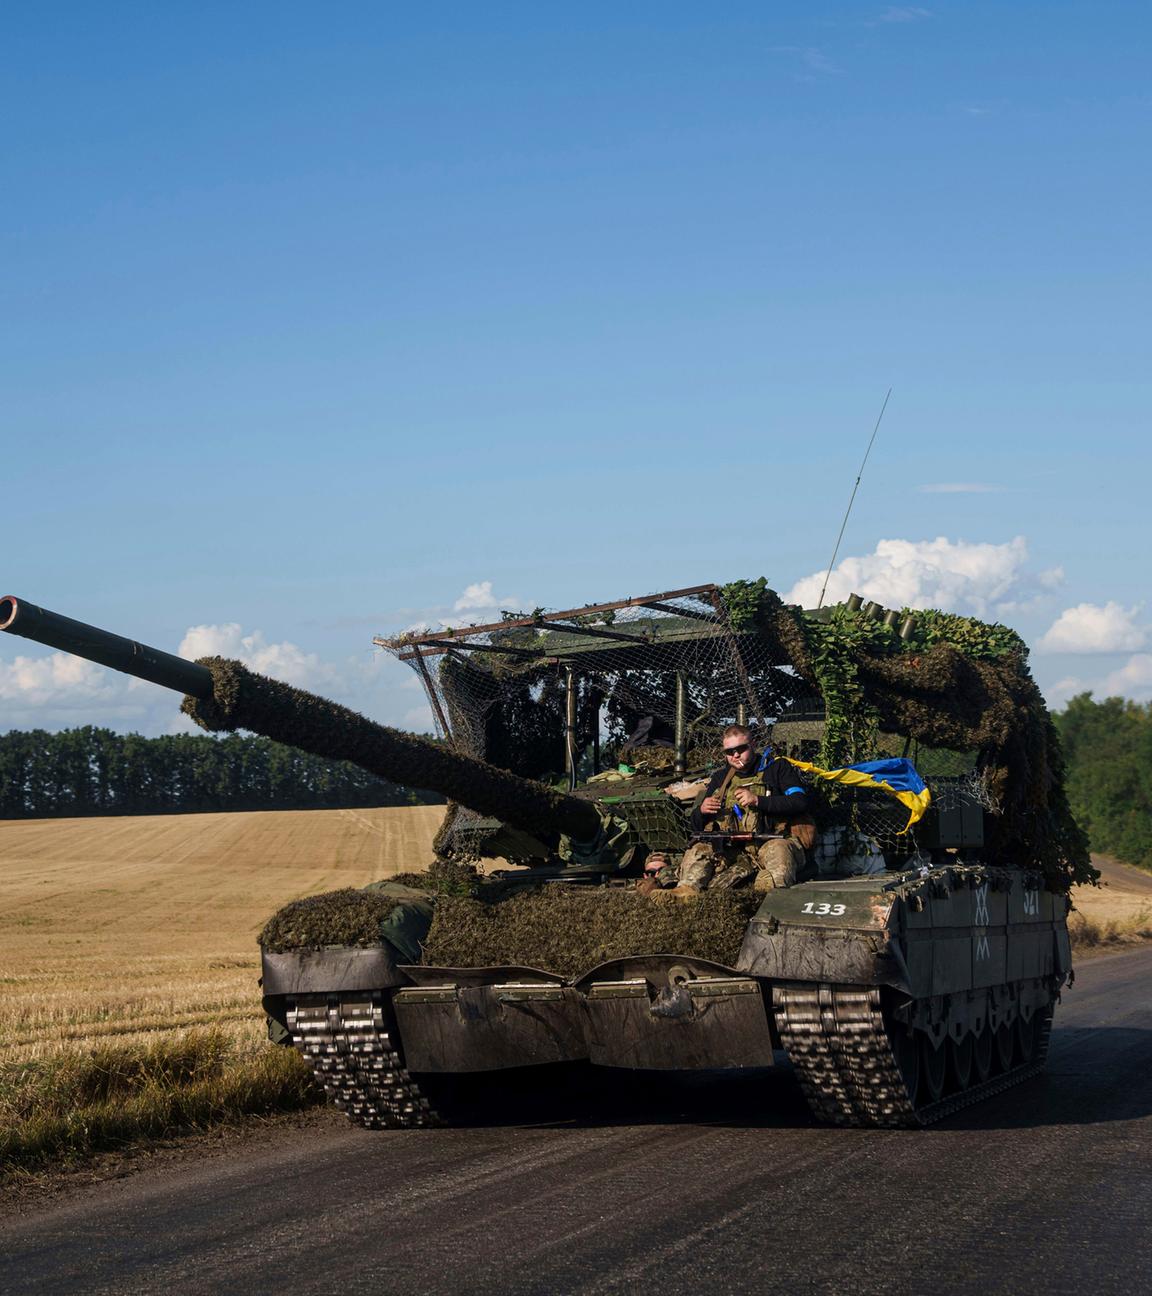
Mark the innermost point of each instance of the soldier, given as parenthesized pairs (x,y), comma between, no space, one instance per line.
(751,794)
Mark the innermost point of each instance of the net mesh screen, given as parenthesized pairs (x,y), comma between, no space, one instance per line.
(543,692)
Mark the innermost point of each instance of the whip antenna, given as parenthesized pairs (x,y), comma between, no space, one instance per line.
(852,500)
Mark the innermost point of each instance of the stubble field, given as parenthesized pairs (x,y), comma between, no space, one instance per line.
(114,929)
(129,1004)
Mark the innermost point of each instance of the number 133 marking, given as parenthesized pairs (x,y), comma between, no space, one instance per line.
(822,909)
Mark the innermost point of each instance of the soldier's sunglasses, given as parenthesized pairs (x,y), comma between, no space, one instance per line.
(736,751)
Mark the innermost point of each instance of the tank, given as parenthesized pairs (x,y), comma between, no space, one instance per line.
(912,969)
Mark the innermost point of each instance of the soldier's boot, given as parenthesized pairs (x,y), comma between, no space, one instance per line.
(736,874)
(777,863)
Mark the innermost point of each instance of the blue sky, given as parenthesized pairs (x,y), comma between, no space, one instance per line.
(317,316)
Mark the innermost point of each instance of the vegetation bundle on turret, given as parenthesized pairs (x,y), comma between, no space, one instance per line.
(344,917)
(956,683)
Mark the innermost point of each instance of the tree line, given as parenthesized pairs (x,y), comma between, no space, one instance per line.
(1108,748)
(92,771)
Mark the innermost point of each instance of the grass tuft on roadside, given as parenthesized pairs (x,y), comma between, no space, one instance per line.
(76,1103)
(1091,934)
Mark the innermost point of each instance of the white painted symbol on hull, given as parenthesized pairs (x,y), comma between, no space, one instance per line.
(982,905)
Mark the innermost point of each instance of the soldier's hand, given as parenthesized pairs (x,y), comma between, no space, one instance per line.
(746,800)
(711,805)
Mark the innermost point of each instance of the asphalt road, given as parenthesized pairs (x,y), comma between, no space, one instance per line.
(723,1184)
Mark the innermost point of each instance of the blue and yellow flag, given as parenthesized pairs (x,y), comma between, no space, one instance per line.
(897,776)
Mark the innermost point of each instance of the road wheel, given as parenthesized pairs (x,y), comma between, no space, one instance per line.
(982,1055)
(933,1069)
(1005,1041)
(907,1054)
(960,1059)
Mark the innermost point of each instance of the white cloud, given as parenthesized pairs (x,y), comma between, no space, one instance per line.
(59,691)
(1090,628)
(39,680)
(283,661)
(1056,695)
(476,606)
(478,595)
(1133,679)
(955,575)
(959,488)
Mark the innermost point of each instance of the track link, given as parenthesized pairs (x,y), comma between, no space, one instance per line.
(346,1041)
(838,1042)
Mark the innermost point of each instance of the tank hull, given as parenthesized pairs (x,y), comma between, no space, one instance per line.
(896,999)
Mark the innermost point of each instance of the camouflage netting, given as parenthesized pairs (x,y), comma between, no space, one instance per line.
(569,930)
(957,697)
(957,684)
(345,917)
(244,700)
(501,695)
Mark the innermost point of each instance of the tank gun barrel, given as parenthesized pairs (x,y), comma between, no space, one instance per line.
(222,695)
(20,617)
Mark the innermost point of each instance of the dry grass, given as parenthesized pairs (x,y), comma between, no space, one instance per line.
(1090,935)
(138,934)
(1115,915)
(79,1101)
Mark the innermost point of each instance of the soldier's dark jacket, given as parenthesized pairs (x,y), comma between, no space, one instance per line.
(779,796)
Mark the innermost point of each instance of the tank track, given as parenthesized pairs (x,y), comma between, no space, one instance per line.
(345,1039)
(835,1036)
(837,1041)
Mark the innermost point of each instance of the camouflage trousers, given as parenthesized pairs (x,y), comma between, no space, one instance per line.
(771,864)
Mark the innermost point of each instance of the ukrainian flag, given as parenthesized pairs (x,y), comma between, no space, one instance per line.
(896,776)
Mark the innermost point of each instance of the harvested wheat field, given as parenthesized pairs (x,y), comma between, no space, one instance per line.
(114,929)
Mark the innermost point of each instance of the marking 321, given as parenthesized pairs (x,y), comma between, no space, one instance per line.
(822,910)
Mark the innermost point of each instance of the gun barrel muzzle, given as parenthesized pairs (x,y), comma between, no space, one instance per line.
(17,616)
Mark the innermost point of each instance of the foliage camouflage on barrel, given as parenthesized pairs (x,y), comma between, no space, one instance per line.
(243,699)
